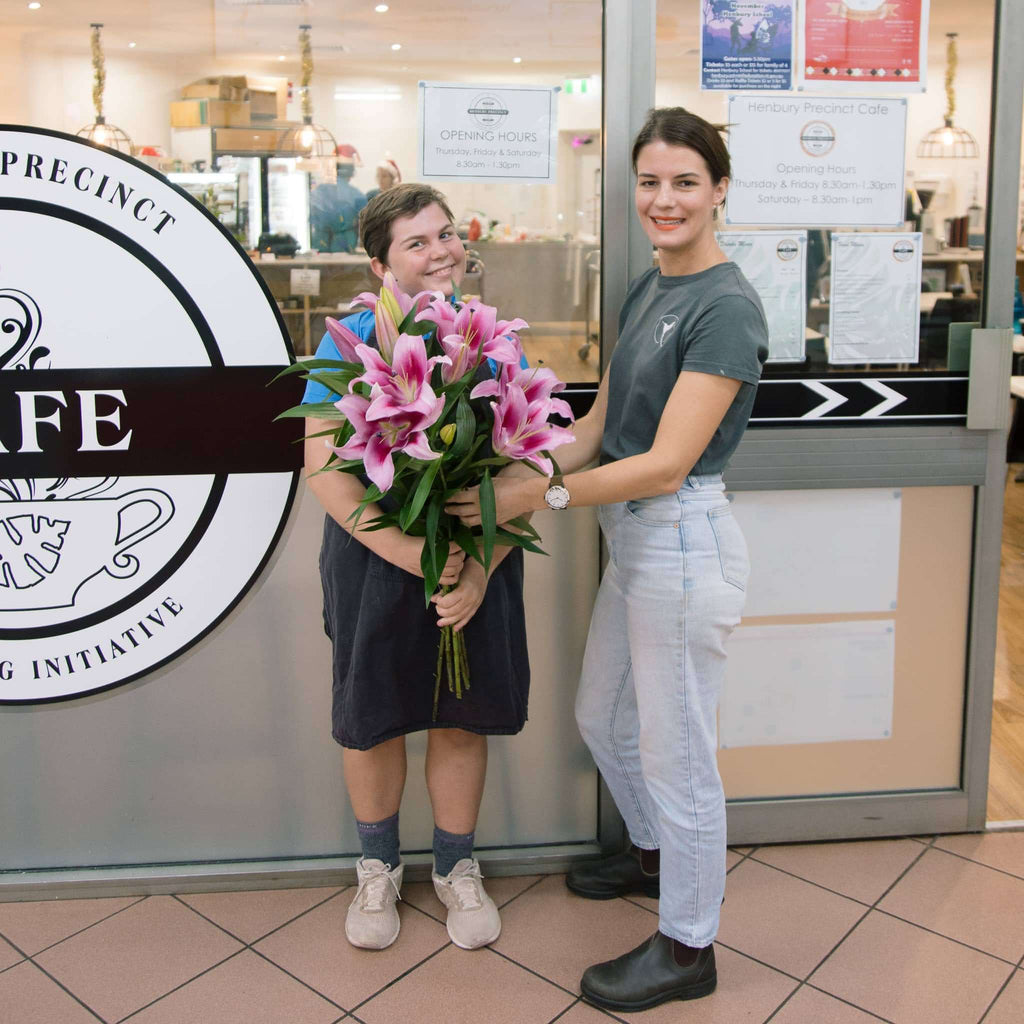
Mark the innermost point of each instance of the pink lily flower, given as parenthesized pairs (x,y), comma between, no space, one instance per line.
(344,339)
(376,442)
(475,335)
(538,384)
(522,432)
(407,387)
(389,310)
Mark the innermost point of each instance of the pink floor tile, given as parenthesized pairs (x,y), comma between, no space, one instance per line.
(963,900)
(243,990)
(558,935)
(905,974)
(809,1006)
(461,987)
(27,996)
(1009,1007)
(251,915)
(747,991)
(1002,850)
(132,958)
(862,871)
(783,921)
(315,950)
(8,955)
(34,926)
(584,1013)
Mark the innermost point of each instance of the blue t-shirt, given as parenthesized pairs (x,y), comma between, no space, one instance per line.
(361,325)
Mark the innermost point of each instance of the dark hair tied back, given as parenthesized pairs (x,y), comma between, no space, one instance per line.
(678,127)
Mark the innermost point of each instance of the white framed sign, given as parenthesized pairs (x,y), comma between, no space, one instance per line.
(812,161)
(775,263)
(491,133)
(304,281)
(143,485)
(875,299)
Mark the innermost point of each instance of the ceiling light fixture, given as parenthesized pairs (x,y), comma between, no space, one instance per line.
(396,46)
(381,8)
(517,60)
(131,46)
(310,140)
(99,131)
(34,6)
(949,141)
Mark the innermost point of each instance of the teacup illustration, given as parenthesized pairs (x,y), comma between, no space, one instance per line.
(50,549)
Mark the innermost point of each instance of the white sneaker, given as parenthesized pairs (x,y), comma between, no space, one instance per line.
(372,921)
(473,919)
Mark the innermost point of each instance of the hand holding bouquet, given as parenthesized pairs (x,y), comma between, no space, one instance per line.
(422,417)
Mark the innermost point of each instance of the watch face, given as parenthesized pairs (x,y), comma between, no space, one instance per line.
(557,497)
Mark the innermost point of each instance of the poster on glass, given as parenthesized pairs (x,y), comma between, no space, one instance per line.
(875,300)
(747,44)
(774,262)
(855,44)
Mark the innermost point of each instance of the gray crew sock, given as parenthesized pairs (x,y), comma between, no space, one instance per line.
(450,848)
(379,840)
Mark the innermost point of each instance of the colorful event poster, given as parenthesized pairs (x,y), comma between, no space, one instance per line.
(747,44)
(864,42)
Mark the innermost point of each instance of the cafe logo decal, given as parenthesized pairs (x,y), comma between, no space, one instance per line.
(143,485)
(817,138)
(903,249)
(488,110)
(787,249)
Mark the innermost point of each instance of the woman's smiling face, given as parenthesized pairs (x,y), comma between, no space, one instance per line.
(425,253)
(675,196)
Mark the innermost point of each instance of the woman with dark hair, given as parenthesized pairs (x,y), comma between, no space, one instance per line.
(669,413)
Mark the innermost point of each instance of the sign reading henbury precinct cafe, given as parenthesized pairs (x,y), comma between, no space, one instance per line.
(143,485)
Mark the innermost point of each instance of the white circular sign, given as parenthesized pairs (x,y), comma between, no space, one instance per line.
(143,486)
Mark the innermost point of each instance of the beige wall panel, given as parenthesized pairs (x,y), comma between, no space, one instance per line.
(931,652)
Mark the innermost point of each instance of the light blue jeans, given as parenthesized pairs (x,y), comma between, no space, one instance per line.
(648,697)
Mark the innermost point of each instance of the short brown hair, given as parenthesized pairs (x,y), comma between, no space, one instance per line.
(678,127)
(386,207)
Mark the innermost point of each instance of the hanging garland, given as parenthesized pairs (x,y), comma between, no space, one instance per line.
(99,72)
(307,72)
(950,75)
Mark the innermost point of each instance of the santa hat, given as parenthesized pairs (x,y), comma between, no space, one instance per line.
(347,152)
(389,165)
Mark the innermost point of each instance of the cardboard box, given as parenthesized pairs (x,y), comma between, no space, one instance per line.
(269,96)
(206,112)
(220,87)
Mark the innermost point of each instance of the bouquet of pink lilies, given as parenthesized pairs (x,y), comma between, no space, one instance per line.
(416,416)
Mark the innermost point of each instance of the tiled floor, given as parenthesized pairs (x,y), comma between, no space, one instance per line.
(914,931)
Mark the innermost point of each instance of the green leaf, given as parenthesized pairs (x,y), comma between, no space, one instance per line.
(497,460)
(508,539)
(419,498)
(465,427)
(432,555)
(488,517)
(524,524)
(315,410)
(466,540)
(410,326)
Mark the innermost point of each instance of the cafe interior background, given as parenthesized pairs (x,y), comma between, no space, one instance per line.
(536,244)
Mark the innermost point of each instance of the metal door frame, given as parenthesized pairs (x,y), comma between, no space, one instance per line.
(956,455)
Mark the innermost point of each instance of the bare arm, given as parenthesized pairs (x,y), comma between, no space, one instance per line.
(694,410)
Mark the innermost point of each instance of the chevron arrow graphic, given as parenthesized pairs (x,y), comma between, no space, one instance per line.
(832,399)
(890,397)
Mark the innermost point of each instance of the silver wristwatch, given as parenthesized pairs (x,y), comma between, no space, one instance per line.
(556,496)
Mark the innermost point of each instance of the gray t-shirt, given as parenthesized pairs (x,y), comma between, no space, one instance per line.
(709,322)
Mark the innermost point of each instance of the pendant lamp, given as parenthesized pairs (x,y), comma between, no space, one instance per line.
(100,132)
(949,141)
(312,141)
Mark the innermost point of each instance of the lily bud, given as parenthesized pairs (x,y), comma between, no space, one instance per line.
(447,433)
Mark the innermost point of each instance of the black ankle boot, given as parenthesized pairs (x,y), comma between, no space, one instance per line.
(617,875)
(647,976)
